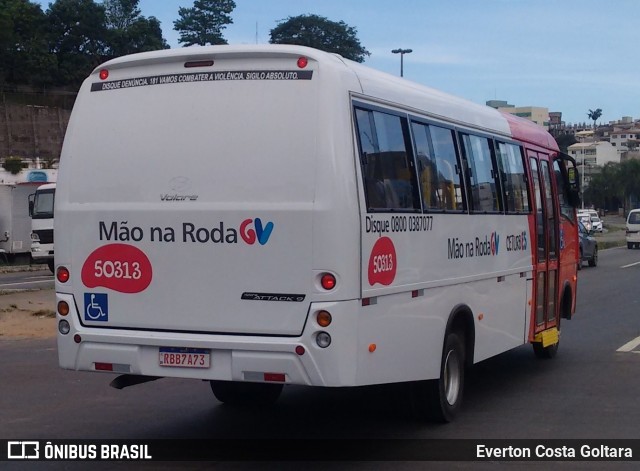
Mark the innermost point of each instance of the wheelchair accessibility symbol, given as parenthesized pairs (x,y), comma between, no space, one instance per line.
(96,307)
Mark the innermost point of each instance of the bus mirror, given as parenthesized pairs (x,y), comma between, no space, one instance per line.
(574,186)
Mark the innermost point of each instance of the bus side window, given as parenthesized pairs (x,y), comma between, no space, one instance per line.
(387,165)
(484,187)
(438,167)
(513,176)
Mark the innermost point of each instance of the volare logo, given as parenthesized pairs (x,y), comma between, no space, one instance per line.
(253,229)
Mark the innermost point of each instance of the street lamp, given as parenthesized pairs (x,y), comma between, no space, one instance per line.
(402,52)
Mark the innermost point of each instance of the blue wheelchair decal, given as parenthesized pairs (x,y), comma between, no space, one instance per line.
(96,307)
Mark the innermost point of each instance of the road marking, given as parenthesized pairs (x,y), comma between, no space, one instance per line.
(629,346)
(25,283)
(630,265)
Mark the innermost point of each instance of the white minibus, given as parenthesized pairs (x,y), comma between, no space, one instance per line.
(259,216)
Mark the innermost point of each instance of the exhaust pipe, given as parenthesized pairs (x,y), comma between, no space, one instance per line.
(124,381)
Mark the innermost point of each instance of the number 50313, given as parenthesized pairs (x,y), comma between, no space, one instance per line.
(117,269)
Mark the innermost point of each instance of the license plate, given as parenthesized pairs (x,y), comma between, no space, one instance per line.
(185,357)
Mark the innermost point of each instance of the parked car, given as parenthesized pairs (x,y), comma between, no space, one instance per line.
(633,229)
(594,219)
(585,219)
(596,223)
(588,247)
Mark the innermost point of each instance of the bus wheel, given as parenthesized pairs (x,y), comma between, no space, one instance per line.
(594,259)
(545,352)
(440,400)
(244,394)
(52,266)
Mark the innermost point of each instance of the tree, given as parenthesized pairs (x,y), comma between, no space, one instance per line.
(605,186)
(79,38)
(630,179)
(594,115)
(203,23)
(564,141)
(24,49)
(12,165)
(128,31)
(121,14)
(615,182)
(320,33)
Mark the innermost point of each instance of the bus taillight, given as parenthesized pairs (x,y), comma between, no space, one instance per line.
(328,281)
(302,62)
(62,274)
(104,74)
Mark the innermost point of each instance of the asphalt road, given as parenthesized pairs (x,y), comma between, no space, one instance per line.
(40,279)
(589,391)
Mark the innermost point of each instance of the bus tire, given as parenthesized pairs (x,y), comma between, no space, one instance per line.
(440,400)
(237,393)
(545,353)
(52,266)
(593,261)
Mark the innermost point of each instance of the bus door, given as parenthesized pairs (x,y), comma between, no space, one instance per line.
(545,292)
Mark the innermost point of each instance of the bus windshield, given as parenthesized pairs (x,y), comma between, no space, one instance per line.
(43,204)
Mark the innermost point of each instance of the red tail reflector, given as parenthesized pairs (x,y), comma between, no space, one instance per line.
(275,377)
(302,62)
(104,74)
(104,366)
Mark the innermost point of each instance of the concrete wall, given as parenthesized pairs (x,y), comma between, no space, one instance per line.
(31,131)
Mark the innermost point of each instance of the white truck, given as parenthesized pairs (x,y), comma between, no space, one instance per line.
(41,212)
(15,224)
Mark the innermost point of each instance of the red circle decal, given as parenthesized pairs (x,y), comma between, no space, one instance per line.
(120,267)
(382,262)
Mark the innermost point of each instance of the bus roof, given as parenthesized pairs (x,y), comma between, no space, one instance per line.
(373,84)
(524,130)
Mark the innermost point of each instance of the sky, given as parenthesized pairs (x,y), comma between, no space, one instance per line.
(565,55)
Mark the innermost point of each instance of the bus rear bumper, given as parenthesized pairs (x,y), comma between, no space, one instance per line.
(289,360)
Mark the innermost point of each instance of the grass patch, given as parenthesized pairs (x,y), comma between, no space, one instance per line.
(610,244)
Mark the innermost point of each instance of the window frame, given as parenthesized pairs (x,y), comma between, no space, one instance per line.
(497,142)
(409,152)
(494,170)
(460,166)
